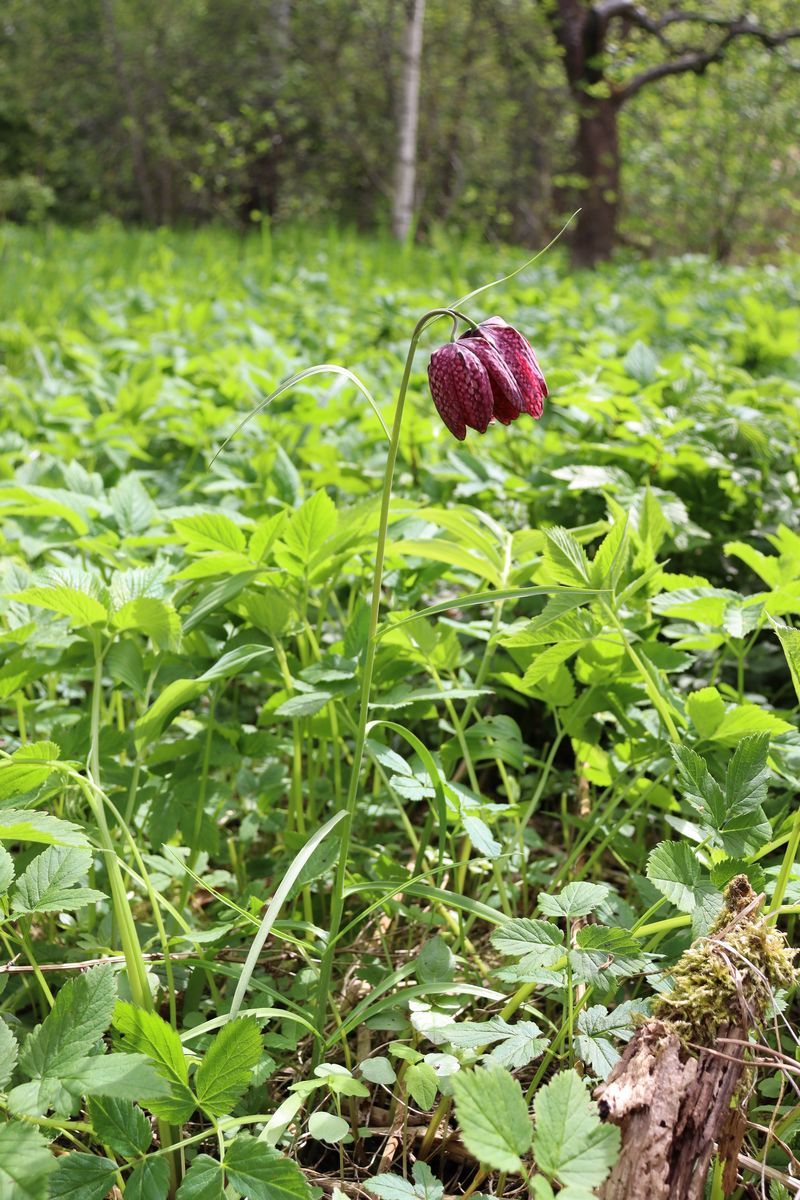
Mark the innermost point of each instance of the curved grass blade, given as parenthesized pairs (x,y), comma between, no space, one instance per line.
(279,1014)
(505,278)
(321,369)
(430,766)
(275,905)
(492,598)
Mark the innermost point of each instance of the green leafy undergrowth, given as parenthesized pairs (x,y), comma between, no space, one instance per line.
(582,721)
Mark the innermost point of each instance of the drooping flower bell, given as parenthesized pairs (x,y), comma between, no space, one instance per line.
(491,372)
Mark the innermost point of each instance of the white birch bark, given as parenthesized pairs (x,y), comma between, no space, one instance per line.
(408,120)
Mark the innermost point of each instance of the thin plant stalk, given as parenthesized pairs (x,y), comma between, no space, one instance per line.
(337,897)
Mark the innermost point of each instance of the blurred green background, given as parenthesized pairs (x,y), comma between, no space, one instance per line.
(674,129)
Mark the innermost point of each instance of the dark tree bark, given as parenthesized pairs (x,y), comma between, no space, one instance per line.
(581,30)
(598,160)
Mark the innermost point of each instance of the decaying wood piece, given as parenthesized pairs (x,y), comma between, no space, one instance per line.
(674,1092)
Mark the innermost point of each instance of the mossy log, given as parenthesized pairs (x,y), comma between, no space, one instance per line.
(674,1093)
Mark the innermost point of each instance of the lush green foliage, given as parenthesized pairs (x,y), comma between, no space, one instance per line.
(584,722)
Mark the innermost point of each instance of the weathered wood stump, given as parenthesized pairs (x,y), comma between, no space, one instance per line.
(674,1092)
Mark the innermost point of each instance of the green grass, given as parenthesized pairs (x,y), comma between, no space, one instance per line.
(580,682)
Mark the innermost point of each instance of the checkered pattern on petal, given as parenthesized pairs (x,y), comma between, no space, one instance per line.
(461,389)
(519,358)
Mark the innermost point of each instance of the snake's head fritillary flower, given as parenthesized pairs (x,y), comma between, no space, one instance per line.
(518,357)
(491,372)
(461,389)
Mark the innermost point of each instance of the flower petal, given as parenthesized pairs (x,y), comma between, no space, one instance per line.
(461,389)
(520,359)
(508,401)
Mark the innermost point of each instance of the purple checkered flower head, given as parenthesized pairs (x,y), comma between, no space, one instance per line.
(489,373)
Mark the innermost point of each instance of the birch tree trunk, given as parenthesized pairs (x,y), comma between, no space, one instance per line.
(406,163)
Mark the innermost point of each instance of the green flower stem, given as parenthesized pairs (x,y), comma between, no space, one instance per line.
(789,860)
(656,698)
(665,926)
(131,948)
(439,1113)
(31,955)
(555,1045)
(137,972)
(337,897)
(200,802)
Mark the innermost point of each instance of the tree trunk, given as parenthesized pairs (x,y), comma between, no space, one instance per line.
(581,33)
(598,162)
(406,164)
(136,139)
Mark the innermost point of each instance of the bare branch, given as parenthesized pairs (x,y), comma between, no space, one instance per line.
(698,60)
(694,61)
(628,10)
(738,27)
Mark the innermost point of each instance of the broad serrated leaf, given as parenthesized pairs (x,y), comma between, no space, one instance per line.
(261,1173)
(123,1076)
(204,1180)
(131,506)
(27,768)
(26,1164)
(227,1067)
(9,1051)
(426,1185)
(747,775)
(22,825)
(574,900)
(306,535)
(566,557)
(641,364)
(154,617)
(82,608)
(571,1144)
(674,869)
(789,639)
(540,941)
(81,1176)
(120,1125)
(744,719)
(48,882)
(548,662)
(521,1046)
(740,827)
(515,1045)
(210,531)
(6,870)
(493,1117)
(596,1028)
(390,1187)
(147,1033)
(612,556)
(600,954)
(78,1019)
(699,786)
(149,1180)
(706,709)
